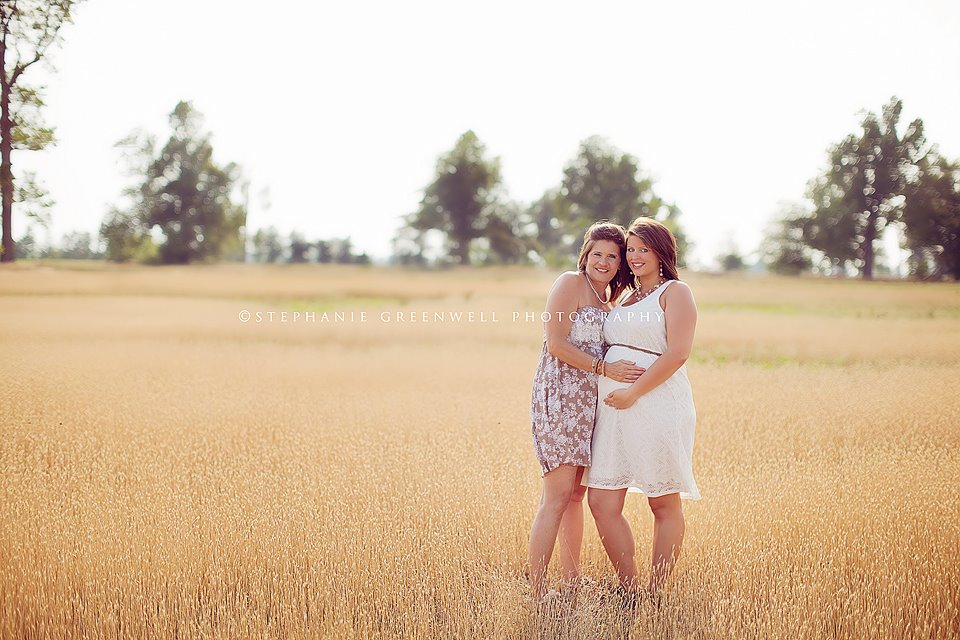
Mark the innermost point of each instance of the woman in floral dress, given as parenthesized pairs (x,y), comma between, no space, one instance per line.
(564,402)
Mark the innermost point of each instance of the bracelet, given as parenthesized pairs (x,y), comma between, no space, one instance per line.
(593,366)
(603,369)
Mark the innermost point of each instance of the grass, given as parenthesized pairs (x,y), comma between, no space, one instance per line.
(168,470)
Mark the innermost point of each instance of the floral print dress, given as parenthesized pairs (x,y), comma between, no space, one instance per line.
(564,402)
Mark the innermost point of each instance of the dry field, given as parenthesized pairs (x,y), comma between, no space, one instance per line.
(167,470)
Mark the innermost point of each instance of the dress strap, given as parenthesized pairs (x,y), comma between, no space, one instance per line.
(664,286)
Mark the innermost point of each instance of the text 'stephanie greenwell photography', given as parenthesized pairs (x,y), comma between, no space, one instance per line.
(442,320)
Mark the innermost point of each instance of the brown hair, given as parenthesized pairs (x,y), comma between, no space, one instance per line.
(604,230)
(660,239)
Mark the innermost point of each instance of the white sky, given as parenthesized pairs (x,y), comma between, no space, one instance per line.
(341,110)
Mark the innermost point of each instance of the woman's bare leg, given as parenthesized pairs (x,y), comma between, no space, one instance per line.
(571,532)
(607,508)
(668,526)
(557,488)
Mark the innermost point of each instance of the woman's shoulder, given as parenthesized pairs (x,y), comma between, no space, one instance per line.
(567,289)
(567,280)
(677,290)
(677,286)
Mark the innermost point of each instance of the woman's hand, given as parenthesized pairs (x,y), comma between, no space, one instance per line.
(625,371)
(620,399)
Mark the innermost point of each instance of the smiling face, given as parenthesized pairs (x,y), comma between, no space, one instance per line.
(603,261)
(641,259)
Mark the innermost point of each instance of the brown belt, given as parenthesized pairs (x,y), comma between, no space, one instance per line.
(630,346)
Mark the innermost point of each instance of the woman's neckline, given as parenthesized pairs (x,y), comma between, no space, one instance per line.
(632,304)
(593,306)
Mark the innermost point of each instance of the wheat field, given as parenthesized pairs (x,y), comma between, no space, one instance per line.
(169,470)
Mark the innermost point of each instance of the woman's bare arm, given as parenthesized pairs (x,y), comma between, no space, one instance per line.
(562,303)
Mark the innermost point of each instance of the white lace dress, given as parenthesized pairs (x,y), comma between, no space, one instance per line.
(647,447)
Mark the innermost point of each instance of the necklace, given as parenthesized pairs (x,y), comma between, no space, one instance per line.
(641,296)
(602,301)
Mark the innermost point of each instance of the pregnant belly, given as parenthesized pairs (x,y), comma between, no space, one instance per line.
(614,353)
(676,385)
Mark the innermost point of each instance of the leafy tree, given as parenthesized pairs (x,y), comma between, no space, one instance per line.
(185,195)
(862,190)
(732,261)
(267,246)
(507,234)
(343,251)
(324,252)
(932,217)
(409,245)
(783,249)
(462,199)
(77,245)
(548,215)
(28,31)
(298,248)
(603,182)
(126,239)
(27,246)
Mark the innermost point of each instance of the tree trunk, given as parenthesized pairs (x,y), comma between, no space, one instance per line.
(869,235)
(463,252)
(6,173)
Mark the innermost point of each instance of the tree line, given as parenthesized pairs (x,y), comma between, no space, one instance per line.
(184,207)
(466,217)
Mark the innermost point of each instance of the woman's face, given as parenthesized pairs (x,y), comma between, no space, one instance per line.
(603,261)
(642,260)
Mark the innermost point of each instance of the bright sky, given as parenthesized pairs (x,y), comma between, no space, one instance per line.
(341,110)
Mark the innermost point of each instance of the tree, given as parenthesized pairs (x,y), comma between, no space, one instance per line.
(932,217)
(548,215)
(267,246)
(862,190)
(343,251)
(507,234)
(409,245)
(28,31)
(77,245)
(783,249)
(602,183)
(732,261)
(185,195)
(324,252)
(125,238)
(27,245)
(298,248)
(462,197)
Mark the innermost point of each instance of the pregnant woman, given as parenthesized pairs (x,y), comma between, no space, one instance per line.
(643,439)
(564,402)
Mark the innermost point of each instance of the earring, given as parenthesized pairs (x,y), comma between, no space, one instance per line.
(661,269)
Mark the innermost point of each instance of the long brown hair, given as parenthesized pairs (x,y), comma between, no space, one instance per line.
(604,230)
(661,241)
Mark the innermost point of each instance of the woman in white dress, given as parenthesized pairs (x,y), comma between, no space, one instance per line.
(643,438)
